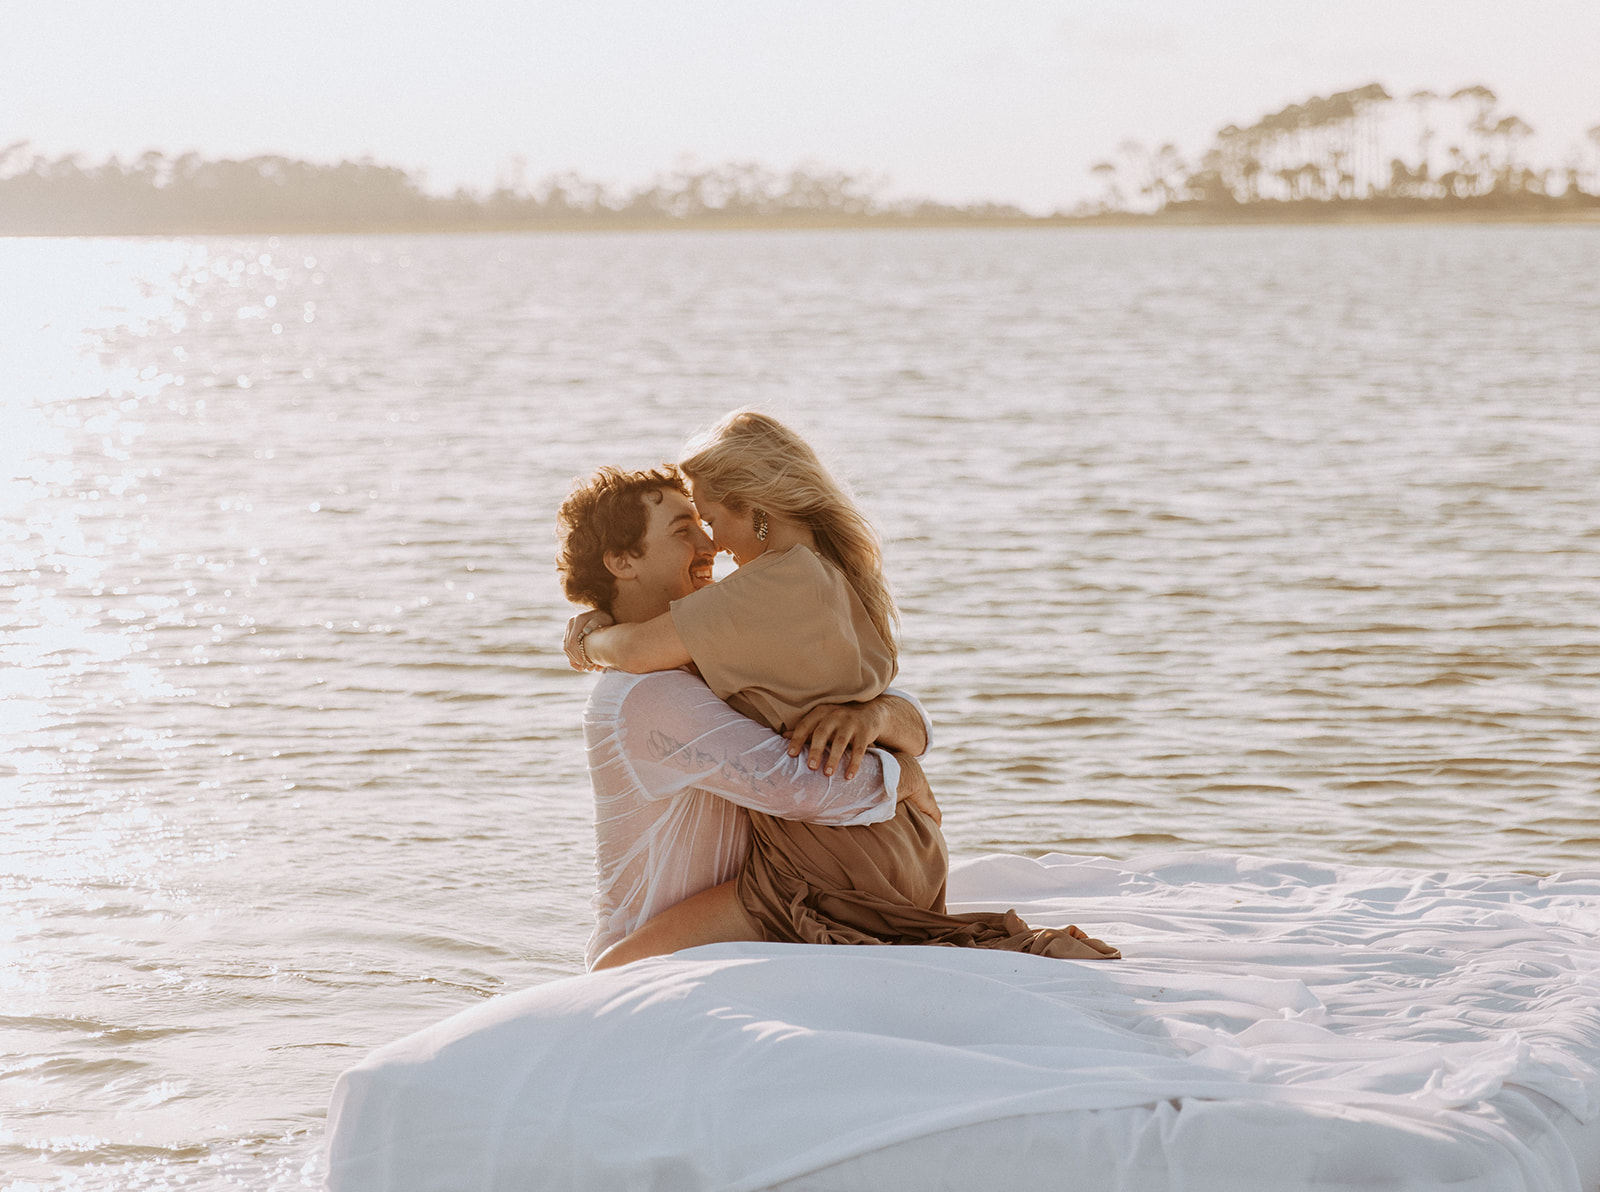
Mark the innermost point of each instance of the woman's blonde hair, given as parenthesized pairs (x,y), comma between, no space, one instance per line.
(752,461)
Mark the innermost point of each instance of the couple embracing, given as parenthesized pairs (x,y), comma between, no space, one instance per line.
(755,777)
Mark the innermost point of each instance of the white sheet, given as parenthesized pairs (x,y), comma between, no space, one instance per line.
(1277,1025)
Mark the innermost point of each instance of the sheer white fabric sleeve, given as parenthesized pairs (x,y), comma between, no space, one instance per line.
(676,735)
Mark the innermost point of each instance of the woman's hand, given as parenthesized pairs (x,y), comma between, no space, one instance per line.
(914,788)
(579,627)
(835,733)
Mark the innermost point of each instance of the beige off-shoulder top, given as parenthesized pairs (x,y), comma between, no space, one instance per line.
(782,634)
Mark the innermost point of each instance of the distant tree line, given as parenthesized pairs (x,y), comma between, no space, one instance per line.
(1429,152)
(160,194)
(1360,153)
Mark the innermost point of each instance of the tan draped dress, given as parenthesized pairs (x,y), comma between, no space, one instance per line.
(777,637)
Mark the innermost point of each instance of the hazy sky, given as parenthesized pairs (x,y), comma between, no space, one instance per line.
(1004,99)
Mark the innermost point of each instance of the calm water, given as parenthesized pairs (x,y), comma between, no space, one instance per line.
(1281,541)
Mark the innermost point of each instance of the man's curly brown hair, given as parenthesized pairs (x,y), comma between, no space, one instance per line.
(606,514)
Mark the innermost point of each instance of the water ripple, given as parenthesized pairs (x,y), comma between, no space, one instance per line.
(1277,540)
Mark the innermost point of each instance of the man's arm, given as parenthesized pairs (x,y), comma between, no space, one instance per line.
(830,733)
(674,734)
(910,730)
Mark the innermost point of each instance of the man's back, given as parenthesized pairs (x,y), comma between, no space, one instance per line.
(673,768)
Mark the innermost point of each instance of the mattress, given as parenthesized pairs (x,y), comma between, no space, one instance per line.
(1274,1024)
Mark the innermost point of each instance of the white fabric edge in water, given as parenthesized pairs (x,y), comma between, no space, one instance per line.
(1263,999)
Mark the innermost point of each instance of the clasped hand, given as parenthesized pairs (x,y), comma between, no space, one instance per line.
(831,734)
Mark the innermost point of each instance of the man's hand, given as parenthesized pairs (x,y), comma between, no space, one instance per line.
(914,788)
(583,623)
(835,733)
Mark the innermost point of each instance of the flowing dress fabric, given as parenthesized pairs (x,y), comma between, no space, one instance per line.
(807,883)
(777,637)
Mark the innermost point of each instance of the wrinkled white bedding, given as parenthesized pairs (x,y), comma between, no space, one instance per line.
(1276,1025)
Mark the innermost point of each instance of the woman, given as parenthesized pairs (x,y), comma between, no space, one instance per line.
(806,620)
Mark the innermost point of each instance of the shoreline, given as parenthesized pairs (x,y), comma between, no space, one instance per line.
(1309,215)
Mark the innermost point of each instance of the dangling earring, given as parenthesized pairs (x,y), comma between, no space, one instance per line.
(759,521)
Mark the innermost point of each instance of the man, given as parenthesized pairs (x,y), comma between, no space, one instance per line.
(673,767)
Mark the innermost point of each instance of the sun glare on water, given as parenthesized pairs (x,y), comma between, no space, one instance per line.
(70,412)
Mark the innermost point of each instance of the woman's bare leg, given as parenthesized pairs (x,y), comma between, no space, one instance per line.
(713,916)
